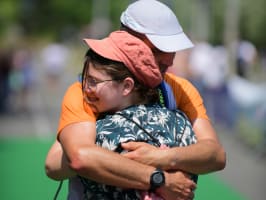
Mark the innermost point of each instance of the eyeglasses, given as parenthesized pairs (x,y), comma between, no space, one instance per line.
(92,83)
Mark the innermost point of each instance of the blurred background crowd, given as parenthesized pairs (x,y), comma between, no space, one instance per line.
(41,49)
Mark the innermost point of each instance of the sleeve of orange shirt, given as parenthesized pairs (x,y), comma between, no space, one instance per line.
(73,108)
(187,97)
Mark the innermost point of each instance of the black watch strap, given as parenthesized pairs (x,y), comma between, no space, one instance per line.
(157,179)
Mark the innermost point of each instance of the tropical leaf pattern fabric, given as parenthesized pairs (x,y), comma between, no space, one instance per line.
(153,124)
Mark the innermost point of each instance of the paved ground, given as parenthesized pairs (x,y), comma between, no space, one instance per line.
(245,170)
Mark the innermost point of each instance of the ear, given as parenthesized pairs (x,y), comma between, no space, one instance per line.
(128,85)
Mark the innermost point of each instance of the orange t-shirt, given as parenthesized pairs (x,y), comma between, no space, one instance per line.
(187,99)
(73,108)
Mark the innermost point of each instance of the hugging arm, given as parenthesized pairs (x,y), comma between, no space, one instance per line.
(56,166)
(96,163)
(205,156)
(104,166)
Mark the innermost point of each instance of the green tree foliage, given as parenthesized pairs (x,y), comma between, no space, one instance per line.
(44,16)
(54,17)
(9,10)
(253,22)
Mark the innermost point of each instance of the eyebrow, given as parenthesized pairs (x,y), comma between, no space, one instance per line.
(93,77)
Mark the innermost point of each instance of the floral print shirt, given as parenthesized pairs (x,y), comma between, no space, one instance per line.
(153,124)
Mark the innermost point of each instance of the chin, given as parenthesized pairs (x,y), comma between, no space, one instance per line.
(93,108)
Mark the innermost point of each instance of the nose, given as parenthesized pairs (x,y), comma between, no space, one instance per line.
(169,59)
(88,92)
(88,89)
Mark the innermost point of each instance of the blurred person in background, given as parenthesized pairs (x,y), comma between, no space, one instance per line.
(209,70)
(6,57)
(164,38)
(22,80)
(246,56)
(55,59)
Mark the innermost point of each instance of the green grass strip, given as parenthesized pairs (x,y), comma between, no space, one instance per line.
(23,177)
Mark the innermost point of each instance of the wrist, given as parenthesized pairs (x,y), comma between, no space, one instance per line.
(157,179)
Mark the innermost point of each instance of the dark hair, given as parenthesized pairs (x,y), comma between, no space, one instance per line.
(118,71)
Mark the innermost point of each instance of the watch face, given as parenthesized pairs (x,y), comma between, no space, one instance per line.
(158,178)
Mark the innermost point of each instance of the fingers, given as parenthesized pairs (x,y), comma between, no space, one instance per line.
(189,196)
(189,192)
(191,185)
(130,146)
(192,195)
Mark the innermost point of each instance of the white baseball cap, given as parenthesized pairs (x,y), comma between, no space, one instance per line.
(158,23)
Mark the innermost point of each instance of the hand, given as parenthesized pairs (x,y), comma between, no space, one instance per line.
(141,152)
(178,186)
(150,196)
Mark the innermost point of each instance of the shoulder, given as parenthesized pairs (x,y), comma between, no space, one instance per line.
(73,108)
(73,99)
(72,90)
(177,81)
(188,98)
(182,88)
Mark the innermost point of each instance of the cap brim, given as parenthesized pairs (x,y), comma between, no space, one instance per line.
(103,48)
(170,43)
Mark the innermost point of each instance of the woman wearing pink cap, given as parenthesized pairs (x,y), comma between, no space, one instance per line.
(119,80)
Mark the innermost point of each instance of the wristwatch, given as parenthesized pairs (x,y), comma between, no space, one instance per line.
(157,179)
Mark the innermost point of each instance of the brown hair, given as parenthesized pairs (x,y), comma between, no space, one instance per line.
(118,71)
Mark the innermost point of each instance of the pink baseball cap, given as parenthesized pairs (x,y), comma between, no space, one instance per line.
(158,23)
(133,52)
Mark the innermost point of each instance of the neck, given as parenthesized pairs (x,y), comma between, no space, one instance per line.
(132,100)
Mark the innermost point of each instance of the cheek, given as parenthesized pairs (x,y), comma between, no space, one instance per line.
(108,100)
(165,59)
(168,59)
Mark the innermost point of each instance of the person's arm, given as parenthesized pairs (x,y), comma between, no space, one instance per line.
(111,168)
(81,156)
(199,158)
(104,166)
(85,159)
(207,155)
(56,166)
(75,117)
